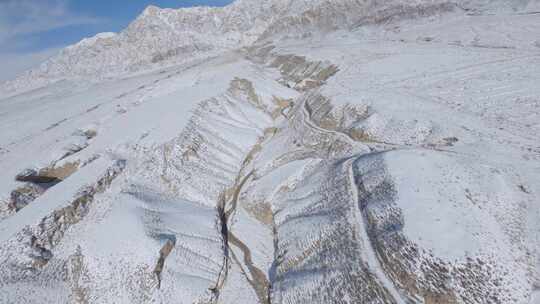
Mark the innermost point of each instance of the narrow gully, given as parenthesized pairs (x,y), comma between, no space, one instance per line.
(258,280)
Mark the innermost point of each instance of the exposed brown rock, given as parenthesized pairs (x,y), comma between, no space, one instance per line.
(163,254)
(37,182)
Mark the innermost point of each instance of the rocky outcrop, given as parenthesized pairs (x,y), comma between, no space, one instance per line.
(297,72)
(24,195)
(37,182)
(39,241)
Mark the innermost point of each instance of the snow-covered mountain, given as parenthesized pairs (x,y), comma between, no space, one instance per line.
(280,151)
(161,37)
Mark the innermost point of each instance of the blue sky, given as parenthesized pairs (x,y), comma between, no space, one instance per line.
(33,30)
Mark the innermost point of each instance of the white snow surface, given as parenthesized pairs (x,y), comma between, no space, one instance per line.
(450,133)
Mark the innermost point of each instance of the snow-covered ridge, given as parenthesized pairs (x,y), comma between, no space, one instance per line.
(160,36)
(165,36)
(88,42)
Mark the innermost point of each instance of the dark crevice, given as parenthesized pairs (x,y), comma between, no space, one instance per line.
(256,278)
(278,260)
(163,254)
(224,230)
(56,124)
(40,255)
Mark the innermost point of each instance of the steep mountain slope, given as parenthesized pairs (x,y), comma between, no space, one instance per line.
(280,152)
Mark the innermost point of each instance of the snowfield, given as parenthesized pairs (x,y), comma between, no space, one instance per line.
(280,151)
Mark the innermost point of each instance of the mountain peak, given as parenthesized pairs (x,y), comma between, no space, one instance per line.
(151,10)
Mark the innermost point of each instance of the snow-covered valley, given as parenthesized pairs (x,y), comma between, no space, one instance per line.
(287,152)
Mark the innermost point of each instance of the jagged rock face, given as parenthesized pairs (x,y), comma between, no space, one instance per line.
(24,195)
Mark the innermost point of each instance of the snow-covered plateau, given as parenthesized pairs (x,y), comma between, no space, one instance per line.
(280,151)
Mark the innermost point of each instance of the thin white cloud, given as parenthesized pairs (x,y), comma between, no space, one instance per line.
(19,19)
(12,65)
